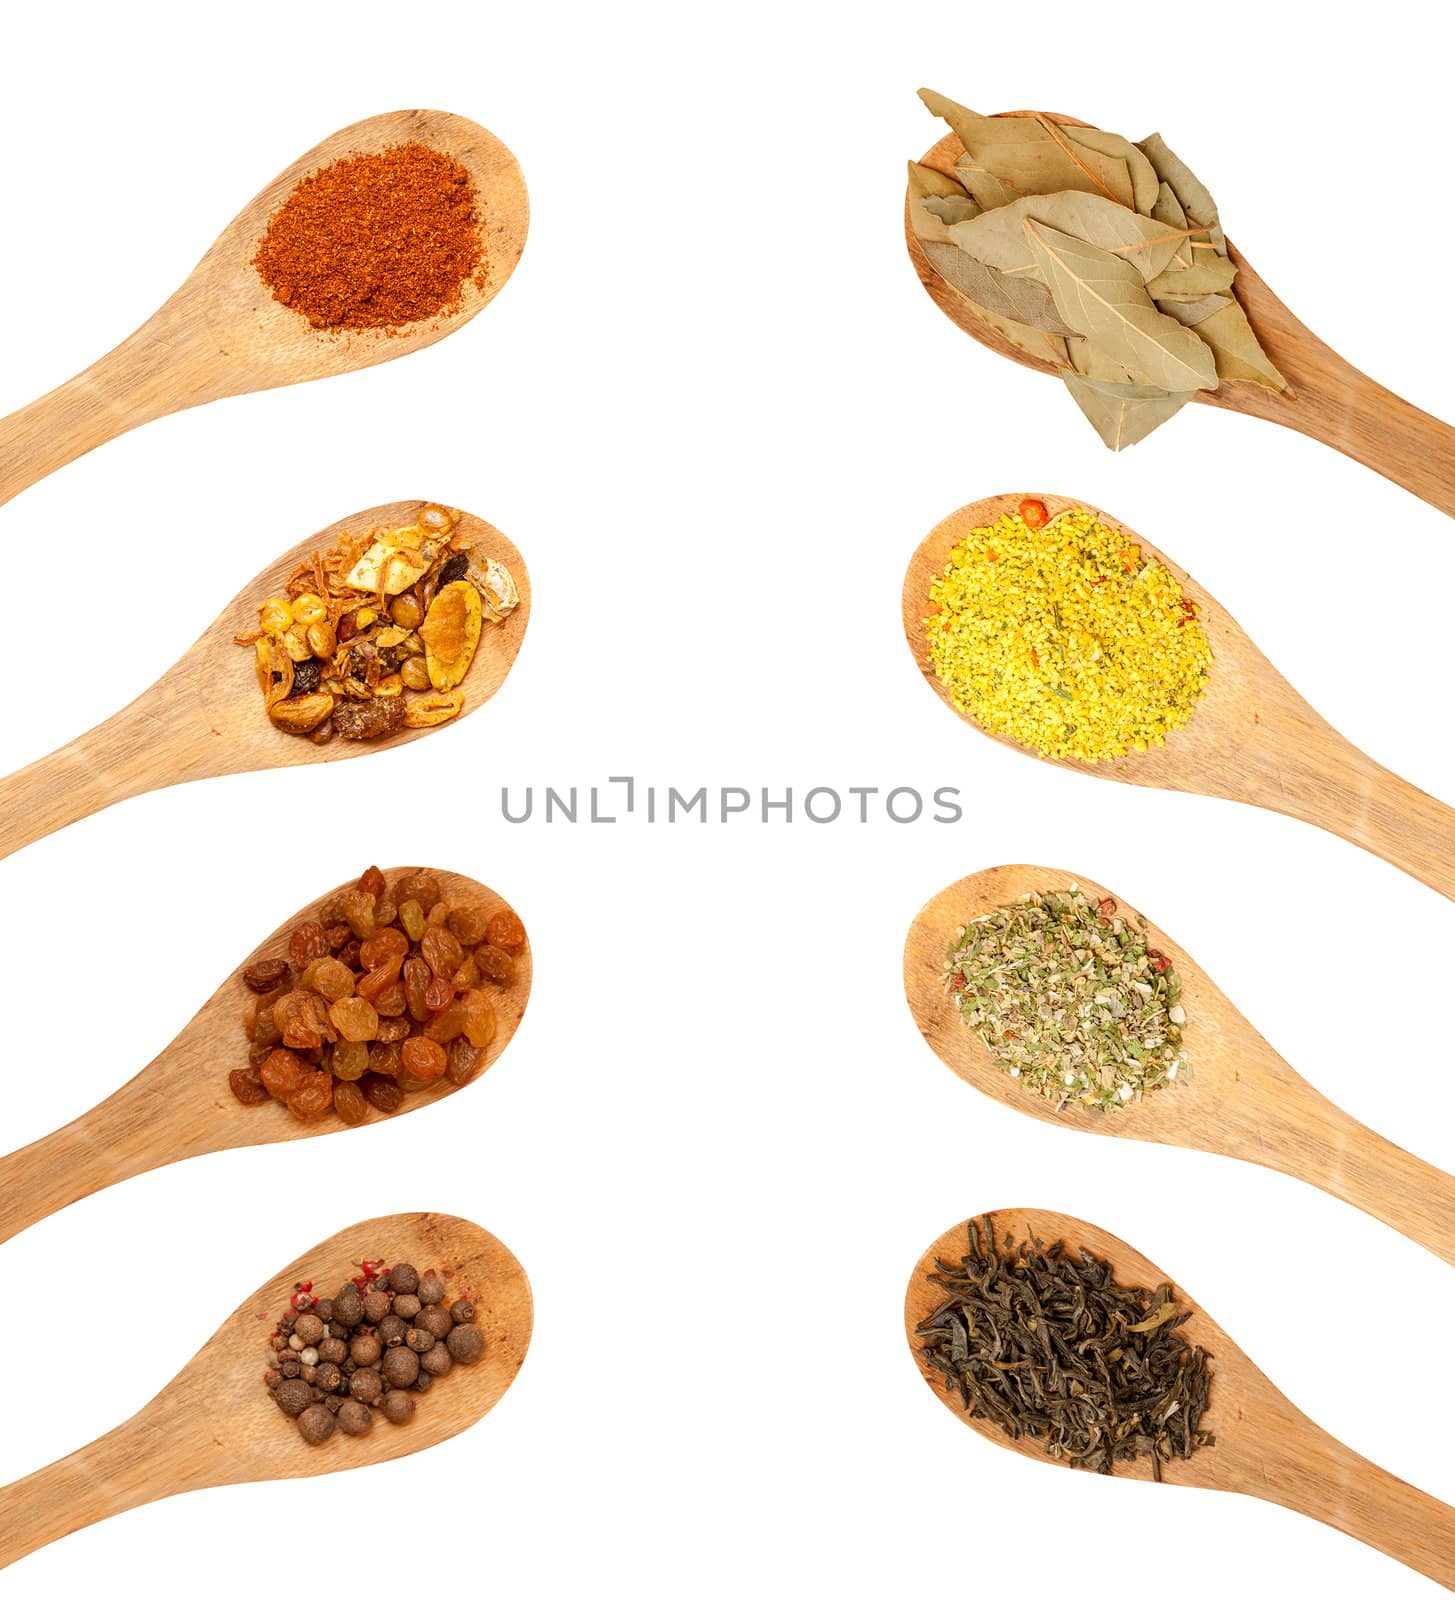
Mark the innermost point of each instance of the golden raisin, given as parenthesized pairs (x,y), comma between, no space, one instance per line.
(247,1084)
(355,1019)
(506,932)
(468,923)
(442,950)
(307,943)
(465,1060)
(281,1073)
(423,1059)
(479,1017)
(329,977)
(350,1059)
(312,1097)
(421,886)
(349,1102)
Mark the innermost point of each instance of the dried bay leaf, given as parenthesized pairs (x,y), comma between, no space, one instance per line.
(1034,341)
(1123,419)
(1239,356)
(929,191)
(950,209)
(1021,299)
(1168,210)
(998,238)
(1143,175)
(1191,192)
(1190,312)
(1103,297)
(1208,274)
(1012,156)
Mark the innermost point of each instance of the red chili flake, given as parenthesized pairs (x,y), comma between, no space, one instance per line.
(990,555)
(1106,908)
(1035,659)
(1094,581)
(1160,963)
(376,241)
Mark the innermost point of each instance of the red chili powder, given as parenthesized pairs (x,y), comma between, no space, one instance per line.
(376,241)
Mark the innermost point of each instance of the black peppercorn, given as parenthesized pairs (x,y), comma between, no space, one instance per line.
(406,1306)
(290,1369)
(403,1279)
(316,1424)
(437,1361)
(336,1330)
(355,1418)
(401,1367)
(463,1310)
(294,1396)
(431,1288)
(466,1344)
(398,1406)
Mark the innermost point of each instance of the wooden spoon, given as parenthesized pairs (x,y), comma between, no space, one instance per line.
(223,333)
(1326,398)
(1251,737)
(205,716)
(1241,1098)
(1265,1446)
(181,1104)
(214,1422)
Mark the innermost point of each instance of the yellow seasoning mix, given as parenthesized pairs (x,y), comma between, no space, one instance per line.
(1062,635)
(1068,998)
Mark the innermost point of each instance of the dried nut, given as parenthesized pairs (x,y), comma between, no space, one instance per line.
(388,687)
(308,609)
(438,519)
(429,710)
(322,640)
(304,714)
(275,616)
(295,642)
(414,674)
(450,633)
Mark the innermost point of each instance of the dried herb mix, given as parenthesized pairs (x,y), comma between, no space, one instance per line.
(1049,1346)
(1060,634)
(376,241)
(383,1338)
(377,633)
(1100,256)
(388,990)
(1068,998)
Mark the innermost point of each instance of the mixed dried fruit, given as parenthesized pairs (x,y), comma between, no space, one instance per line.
(1102,257)
(378,632)
(383,1338)
(386,990)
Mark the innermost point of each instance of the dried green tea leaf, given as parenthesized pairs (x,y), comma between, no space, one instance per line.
(1123,420)
(1164,1313)
(1145,182)
(998,238)
(1021,299)
(1025,155)
(1103,296)
(1208,274)
(1168,209)
(1239,356)
(1191,192)
(1190,312)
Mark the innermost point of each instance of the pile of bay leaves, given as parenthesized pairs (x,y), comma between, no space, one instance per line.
(1098,255)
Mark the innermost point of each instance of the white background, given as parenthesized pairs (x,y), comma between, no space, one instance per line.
(716,412)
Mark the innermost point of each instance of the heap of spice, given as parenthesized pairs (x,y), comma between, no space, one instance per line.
(1046,1344)
(376,241)
(384,991)
(1068,998)
(383,1338)
(1058,633)
(1102,257)
(377,633)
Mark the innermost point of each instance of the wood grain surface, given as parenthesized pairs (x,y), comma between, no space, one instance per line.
(180,1105)
(1252,737)
(204,717)
(222,333)
(1240,1099)
(1265,1446)
(1327,399)
(215,1423)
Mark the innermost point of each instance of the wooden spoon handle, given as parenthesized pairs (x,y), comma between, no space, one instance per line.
(1308,1471)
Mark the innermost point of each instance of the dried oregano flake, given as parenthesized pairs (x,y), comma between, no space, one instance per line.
(1069,999)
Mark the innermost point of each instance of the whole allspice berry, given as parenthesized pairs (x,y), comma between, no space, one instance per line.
(466,1344)
(436,1361)
(436,1320)
(393,1329)
(366,1385)
(349,1308)
(334,1350)
(294,1396)
(309,1328)
(401,1367)
(354,1418)
(398,1406)
(327,1378)
(324,1311)
(366,1349)
(431,1288)
(403,1279)
(316,1424)
(407,1306)
(419,1340)
(463,1310)
(376,1305)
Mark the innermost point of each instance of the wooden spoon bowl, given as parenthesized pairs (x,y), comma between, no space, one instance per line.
(214,1423)
(181,1106)
(222,333)
(1326,399)
(204,717)
(1252,737)
(1240,1099)
(1264,1447)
